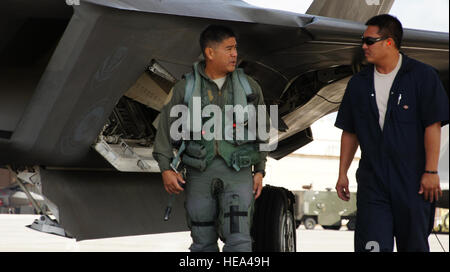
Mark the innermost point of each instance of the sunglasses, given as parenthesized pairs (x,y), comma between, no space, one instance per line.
(370,40)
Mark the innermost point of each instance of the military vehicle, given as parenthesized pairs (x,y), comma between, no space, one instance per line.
(441,221)
(14,200)
(324,208)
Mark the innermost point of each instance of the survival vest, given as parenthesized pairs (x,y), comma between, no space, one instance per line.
(236,152)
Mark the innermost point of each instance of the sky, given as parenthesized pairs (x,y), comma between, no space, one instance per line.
(417,14)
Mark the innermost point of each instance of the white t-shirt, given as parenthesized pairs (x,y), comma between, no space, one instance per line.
(383,84)
(220,81)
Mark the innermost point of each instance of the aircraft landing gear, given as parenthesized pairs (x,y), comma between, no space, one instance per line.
(273,221)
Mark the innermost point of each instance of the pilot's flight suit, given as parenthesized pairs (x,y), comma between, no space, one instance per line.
(219,199)
(393,159)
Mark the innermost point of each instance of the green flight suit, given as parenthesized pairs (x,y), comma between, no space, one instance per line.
(219,200)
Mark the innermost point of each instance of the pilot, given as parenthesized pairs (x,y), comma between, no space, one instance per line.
(223,177)
(393,110)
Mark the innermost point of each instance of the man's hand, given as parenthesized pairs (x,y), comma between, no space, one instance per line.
(349,145)
(430,187)
(429,184)
(257,184)
(342,188)
(171,182)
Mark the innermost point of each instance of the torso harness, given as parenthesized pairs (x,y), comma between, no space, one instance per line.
(236,153)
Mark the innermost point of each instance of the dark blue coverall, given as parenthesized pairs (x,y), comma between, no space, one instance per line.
(393,160)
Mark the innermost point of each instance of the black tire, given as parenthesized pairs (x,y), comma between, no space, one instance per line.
(273,228)
(445,223)
(332,227)
(309,223)
(351,224)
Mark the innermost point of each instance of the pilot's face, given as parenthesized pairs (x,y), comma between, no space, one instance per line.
(224,56)
(377,50)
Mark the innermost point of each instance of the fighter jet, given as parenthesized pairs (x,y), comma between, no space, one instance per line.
(83,82)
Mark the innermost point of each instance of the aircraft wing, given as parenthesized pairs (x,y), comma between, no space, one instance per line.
(82,85)
(73,85)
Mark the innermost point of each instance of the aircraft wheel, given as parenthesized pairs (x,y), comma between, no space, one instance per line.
(332,227)
(351,225)
(273,228)
(309,223)
(446,221)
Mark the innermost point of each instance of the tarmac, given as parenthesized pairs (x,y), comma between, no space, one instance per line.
(292,172)
(16,237)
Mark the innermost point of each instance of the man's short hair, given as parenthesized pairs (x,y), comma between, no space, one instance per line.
(389,26)
(214,34)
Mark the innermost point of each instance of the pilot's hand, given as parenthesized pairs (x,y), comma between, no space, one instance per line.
(171,181)
(430,187)
(342,188)
(257,184)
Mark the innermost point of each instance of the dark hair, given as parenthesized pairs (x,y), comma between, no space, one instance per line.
(214,34)
(389,26)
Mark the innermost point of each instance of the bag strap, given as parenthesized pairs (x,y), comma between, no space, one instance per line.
(189,89)
(244,82)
